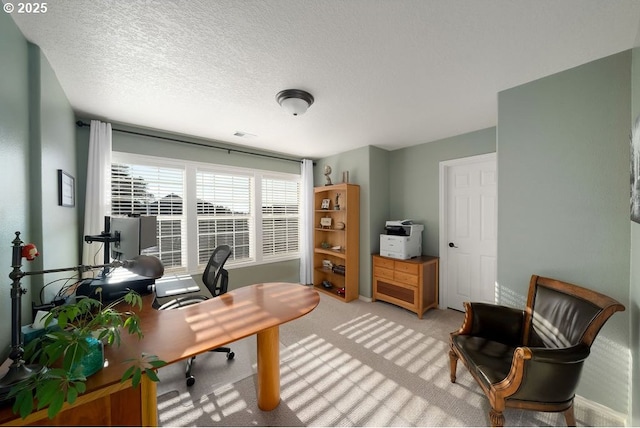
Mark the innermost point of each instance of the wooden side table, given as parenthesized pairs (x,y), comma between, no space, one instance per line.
(411,284)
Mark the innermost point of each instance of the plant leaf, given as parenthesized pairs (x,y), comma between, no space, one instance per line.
(72,394)
(23,403)
(56,405)
(127,374)
(137,374)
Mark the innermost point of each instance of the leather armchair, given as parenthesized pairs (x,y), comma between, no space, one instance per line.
(531,358)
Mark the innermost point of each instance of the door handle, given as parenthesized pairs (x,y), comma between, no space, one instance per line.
(452,245)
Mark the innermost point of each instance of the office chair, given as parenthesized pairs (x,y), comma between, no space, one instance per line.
(216,279)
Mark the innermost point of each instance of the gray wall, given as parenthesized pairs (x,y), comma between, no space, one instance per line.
(359,164)
(634,294)
(14,170)
(36,138)
(414,180)
(52,147)
(563,200)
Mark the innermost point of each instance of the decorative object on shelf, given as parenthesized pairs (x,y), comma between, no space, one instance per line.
(327,284)
(327,173)
(339,269)
(337,204)
(340,225)
(325,204)
(327,264)
(336,248)
(325,245)
(77,322)
(294,101)
(345,176)
(340,291)
(66,189)
(325,222)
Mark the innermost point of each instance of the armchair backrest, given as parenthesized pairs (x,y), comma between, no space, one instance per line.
(560,314)
(215,277)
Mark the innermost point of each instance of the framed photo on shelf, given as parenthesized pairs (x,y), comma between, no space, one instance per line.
(66,189)
(325,204)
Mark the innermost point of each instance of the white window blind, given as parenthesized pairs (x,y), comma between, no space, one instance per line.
(200,206)
(280,217)
(153,190)
(224,202)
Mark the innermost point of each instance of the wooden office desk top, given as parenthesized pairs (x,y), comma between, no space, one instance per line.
(177,334)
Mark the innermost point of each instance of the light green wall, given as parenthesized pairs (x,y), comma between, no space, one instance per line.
(36,137)
(359,164)
(14,163)
(379,206)
(634,294)
(414,180)
(563,200)
(52,147)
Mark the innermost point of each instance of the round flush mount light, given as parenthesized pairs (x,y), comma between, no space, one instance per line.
(294,101)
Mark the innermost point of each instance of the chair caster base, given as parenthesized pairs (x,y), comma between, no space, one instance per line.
(230,355)
(191,381)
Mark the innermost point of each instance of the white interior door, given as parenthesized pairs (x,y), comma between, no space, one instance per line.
(468,230)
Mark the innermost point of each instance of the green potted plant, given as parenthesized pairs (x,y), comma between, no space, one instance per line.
(71,350)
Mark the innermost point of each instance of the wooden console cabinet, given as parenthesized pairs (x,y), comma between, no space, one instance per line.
(411,284)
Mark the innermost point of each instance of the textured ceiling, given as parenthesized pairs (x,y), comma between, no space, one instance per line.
(388,73)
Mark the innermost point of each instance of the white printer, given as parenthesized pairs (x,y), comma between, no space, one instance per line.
(402,239)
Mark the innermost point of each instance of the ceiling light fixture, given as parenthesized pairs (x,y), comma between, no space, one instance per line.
(294,101)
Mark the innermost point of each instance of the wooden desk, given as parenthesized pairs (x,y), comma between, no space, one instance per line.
(177,334)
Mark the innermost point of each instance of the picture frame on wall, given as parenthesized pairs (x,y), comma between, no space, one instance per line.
(66,189)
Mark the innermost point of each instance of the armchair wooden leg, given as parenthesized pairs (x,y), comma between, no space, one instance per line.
(496,417)
(570,417)
(453,364)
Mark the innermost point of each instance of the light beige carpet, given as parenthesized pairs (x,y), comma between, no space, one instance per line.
(350,364)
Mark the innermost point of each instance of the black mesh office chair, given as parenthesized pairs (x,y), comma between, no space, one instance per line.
(216,279)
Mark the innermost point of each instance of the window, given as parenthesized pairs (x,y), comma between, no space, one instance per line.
(280,217)
(200,206)
(225,213)
(153,190)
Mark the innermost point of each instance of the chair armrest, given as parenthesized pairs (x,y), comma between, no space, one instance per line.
(543,374)
(573,354)
(494,322)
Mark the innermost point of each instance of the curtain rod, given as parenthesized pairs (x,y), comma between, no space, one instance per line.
(81,124)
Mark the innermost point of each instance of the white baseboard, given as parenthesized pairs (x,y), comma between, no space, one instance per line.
(596,414)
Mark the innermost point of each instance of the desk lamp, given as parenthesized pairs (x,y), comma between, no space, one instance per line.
(19,371)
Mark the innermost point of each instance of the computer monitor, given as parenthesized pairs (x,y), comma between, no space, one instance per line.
(132,235)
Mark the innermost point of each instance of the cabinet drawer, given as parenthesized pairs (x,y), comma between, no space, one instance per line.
(382,272)
(378,261)
(410,268)
(406,278)
(404,295)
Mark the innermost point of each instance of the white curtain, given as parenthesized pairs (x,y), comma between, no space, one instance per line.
(306,227)
(98,194)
